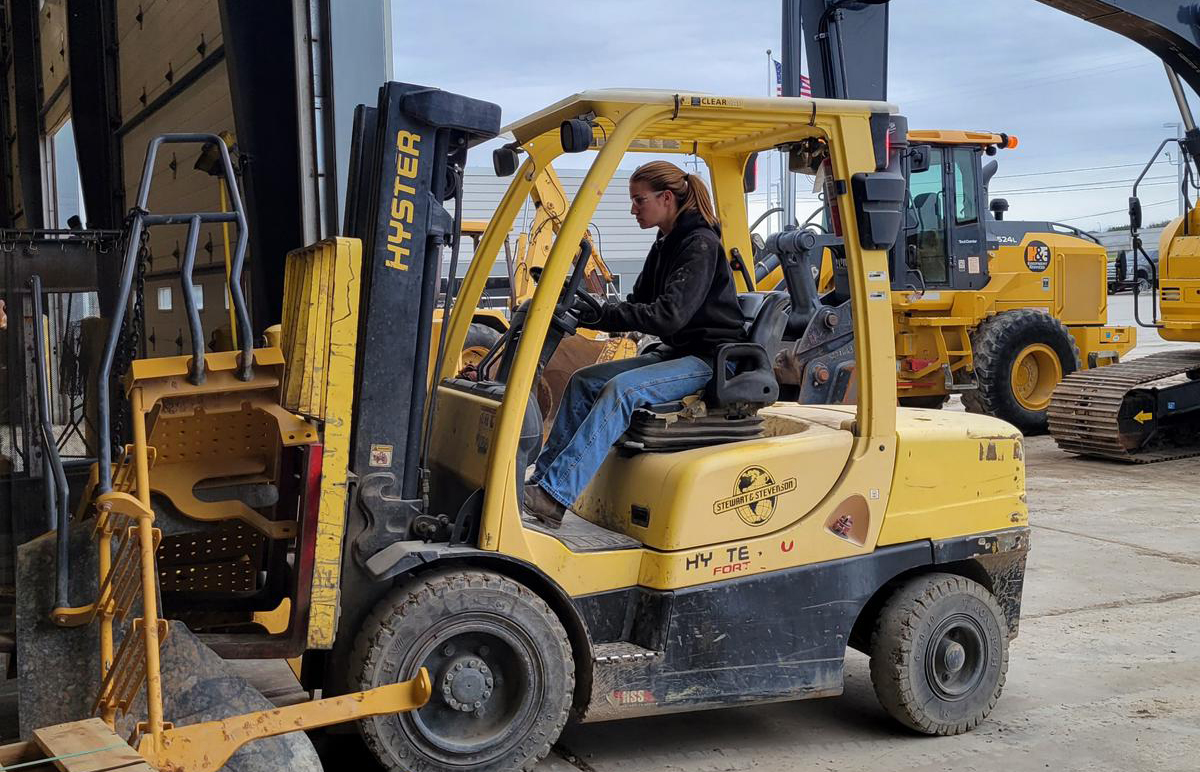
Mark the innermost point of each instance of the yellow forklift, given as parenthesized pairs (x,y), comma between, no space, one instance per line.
(999,311)
(731,547)
(316,498)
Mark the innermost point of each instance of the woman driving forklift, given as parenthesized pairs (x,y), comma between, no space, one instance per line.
(684,295)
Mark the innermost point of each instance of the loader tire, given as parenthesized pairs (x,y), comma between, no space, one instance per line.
(479,341)
(501,666)
(1020,357)
(928,401)
(939,654)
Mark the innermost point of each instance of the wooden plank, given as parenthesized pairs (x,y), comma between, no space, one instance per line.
(18,753)
(88,746)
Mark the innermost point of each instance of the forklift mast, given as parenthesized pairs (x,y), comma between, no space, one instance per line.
(407,156)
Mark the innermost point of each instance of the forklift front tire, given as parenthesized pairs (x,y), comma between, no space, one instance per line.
(501,665)
(939,654)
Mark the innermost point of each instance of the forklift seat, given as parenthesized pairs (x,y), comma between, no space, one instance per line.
(743,382)
(753,382)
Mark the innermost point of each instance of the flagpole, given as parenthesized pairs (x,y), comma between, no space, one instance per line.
(770,92)
(770,73)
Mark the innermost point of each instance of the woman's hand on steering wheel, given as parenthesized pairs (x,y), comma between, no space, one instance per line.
(586,307)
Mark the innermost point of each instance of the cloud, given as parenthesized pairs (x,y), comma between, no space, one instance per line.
(1077,95)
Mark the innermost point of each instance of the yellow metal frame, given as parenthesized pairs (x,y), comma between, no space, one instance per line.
(323,348)
(207,746)
(1179,278)
(723,132)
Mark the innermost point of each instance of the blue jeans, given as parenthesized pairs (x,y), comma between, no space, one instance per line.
(595,411)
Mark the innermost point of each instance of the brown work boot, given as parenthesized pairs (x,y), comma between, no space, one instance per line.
(543,506)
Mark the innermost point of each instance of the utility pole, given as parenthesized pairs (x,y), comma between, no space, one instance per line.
(1177,160)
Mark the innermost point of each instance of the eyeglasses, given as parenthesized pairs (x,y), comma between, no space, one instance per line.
(639,199)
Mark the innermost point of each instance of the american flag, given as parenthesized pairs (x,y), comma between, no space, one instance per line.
(805,83)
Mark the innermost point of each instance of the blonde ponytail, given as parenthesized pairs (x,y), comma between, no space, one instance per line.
(698,197)
(689,190)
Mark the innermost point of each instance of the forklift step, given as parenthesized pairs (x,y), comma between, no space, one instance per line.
(579,535)
(622,652)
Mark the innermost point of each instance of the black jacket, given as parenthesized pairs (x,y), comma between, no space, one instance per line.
(685,293)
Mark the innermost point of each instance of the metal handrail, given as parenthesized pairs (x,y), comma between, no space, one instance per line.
(1135,239)
(57,493)
(141,219)
(196,368)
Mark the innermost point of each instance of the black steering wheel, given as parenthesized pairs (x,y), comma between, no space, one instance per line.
(574,295)
(562,323)
(590,313)
(573,290)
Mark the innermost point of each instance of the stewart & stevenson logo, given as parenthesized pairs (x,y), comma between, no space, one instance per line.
(755,494)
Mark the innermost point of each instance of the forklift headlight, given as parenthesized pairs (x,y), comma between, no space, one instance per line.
(576,135)
(505,161)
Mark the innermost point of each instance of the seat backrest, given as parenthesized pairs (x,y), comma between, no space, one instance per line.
(766,315)
(928,211)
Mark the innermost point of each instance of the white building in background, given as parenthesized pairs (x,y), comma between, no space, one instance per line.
(616,234)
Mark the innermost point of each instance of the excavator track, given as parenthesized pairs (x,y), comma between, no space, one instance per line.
(1098,412)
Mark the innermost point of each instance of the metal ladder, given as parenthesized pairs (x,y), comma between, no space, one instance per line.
(124,531)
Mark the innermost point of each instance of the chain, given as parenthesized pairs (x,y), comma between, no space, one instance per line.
(129,341)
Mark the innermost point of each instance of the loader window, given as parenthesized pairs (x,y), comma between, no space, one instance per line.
(926,243)
(965,210)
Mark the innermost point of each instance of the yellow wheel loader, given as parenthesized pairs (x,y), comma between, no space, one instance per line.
(997,310)
(1141,410)
(523,265)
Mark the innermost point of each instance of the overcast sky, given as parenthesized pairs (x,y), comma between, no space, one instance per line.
(1077,96)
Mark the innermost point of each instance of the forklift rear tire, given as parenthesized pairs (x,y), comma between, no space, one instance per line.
(501,665)
(939,654)
(1020,357)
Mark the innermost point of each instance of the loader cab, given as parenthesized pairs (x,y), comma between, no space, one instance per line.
(945,236)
